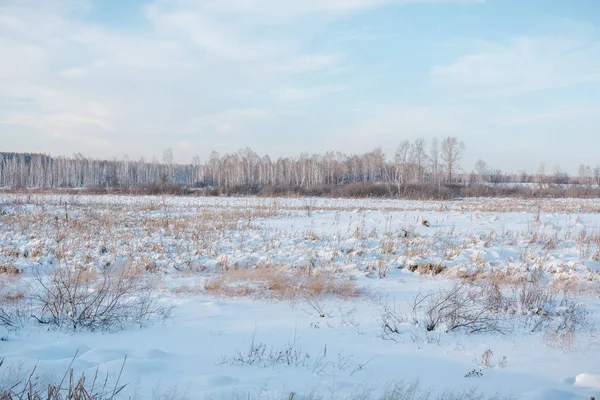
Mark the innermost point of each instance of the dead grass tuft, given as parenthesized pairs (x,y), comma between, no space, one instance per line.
(9,270)
(281,283)
(426,268)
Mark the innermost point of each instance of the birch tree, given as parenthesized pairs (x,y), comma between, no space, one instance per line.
(452,153)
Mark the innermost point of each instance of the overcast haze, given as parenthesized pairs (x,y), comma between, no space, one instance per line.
(517,80)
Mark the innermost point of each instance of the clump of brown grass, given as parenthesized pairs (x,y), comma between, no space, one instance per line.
(188,290)
(416,247)
(506,276)
(9,270)
(11,251)
(387,246)
(588,245)
(142,264)
(278,282)
(426,268)
(12,297)
(358,233)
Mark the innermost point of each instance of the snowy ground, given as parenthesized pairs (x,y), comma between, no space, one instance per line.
(211,258)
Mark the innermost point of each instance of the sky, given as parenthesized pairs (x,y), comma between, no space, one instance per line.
(517,80)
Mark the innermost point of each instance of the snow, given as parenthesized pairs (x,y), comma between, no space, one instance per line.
(588,380)
(191,351)
(3,334)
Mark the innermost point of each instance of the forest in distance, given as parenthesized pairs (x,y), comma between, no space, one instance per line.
(419,169)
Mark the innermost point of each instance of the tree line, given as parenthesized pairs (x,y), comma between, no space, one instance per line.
(414,163)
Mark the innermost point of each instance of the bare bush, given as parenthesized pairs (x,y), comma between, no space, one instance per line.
(457,308)
(292,354)
(486,358)
(80,299)
(404,390)
(391,321)
(412,390)
(531,306)
(397,390)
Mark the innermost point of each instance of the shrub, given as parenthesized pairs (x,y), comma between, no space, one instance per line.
(452,309)
(81,299)
(292,355)
(532,306)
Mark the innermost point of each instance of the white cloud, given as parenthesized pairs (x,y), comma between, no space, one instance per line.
(308,63)
(184,144)
(292,93)
(387,125)
(517,117)
(284,9)
(525,64)
(278,9)
(205,74)
(212,36)
(492,135)
(69,79)
(229,121)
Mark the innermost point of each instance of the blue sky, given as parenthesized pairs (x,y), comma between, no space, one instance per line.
(517,80)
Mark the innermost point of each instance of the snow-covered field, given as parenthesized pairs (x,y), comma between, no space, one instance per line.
(306,298)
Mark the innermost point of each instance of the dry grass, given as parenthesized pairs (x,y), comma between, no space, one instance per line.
(157,235)
(279,282)
(388,246)
(69,388)
(426,268)
(506,276)
(588,244)
(186,290)
(97,229)
(12,297)
(8,270)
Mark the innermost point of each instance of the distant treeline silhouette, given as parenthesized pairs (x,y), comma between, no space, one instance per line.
(417,171)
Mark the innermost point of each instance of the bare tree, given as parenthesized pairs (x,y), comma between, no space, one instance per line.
(494,176)
(167,159)
(453,151)
(481,170)
(245,169)
(541,174)
(560,177)
(585,175)
(419,157)
(401,159)
(434,159)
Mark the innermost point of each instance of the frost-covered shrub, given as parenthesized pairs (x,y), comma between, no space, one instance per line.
(292,354)
(452,309)
(481,308)
(81,299)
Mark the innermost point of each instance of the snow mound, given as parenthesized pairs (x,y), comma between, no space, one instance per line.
(588,380)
